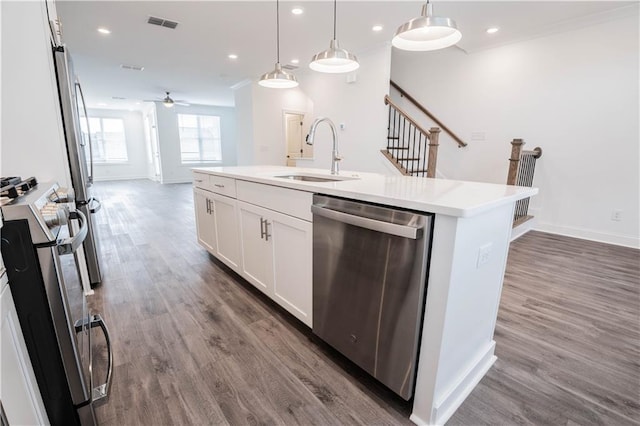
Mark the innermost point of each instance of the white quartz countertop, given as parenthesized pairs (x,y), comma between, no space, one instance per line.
(440,196)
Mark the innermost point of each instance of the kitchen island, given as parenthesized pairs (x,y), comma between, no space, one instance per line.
(470,240)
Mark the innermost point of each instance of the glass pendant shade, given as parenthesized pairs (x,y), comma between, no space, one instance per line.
(334,60)
(278,79)
(427,32)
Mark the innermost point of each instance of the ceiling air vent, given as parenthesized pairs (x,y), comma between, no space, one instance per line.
(162,22)
(290,67)
(131,67)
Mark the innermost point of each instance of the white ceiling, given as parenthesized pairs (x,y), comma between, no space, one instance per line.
(191,61)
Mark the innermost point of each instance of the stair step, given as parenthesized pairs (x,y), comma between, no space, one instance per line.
(393,137)
(397,147)
(418,171)
(407,159)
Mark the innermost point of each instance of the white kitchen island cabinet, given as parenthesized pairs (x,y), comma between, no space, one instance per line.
(205,220)
(225,213)
(470,241)
(276,254)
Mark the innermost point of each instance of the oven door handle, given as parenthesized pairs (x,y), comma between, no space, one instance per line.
(99,393)
(71,244)
(403,231)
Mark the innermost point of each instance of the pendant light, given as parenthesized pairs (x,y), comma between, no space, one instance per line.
(334,59)
(278,78)
(427,32)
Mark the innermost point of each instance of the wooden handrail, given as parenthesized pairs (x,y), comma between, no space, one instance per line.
(387,101)
(411,99)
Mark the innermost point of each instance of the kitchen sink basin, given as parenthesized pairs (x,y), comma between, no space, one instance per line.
(309,178)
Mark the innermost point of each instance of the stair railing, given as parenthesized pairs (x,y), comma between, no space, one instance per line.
(418,105)
(412,149)
(522,165)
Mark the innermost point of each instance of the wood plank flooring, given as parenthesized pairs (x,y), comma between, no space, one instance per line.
(194,344)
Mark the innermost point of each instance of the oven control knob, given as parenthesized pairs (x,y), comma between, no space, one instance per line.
(55,215)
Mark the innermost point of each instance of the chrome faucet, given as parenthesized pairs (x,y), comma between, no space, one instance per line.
(335,157)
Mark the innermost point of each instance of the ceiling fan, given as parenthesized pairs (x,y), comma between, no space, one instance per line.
(168,102)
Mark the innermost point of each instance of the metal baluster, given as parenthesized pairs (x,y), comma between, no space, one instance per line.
(402,154)
(424,157)
(413,155)
(419,149)
(389,127)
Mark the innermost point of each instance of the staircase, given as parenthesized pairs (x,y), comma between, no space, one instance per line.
(412,149)
(522,166)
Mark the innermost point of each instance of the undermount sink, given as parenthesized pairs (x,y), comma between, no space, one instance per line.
(310,178)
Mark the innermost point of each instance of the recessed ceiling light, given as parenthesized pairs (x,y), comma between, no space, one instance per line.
(233,56)
(101,104)
(377,28)
(492,30)
(103,30)
(297,11)
(295,61)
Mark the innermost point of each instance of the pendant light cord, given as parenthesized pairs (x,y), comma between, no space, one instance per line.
(277,31)
(334,19)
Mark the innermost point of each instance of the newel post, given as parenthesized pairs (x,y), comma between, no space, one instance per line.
(514,161)
(433,151)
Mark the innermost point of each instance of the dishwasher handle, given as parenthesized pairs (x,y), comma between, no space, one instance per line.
(403,231)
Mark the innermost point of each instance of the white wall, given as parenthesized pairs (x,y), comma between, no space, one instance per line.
(244,123)
(32,139)
(136,167)
(173,170)
(261,133)
(574,94)
(359,106)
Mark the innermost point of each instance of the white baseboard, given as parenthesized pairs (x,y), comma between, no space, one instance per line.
(586,234)
(522,229)
(449,403)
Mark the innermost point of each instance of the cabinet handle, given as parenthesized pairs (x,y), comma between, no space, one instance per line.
(198,180)
(207,206)
(218,185)
(262,231)
(266,230)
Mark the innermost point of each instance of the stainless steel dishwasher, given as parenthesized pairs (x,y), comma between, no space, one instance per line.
(369,279)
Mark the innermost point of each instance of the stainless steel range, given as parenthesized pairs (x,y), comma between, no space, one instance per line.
(54,317)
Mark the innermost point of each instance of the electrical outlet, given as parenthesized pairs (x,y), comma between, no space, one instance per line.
(484,254)
(616,215)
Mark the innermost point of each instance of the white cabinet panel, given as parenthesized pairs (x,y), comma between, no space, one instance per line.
(205,220)
(18,387)
(292,254)
(227,230)
(257,252)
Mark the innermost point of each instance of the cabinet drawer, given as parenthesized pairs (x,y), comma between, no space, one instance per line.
(223,185)
(201,180)
(288,201)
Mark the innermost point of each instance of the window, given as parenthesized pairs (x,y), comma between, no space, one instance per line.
(107,137)
(200,140)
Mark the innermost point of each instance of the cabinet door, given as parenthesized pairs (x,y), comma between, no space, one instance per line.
(19,391)
(257,253)
(205,220)
(227,230)
(292,257)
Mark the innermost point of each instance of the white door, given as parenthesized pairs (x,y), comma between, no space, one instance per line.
(257,253)
(205,220)
(292,254)
(227,230)
(294,137)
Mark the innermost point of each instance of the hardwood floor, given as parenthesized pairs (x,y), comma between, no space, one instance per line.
(194,344)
